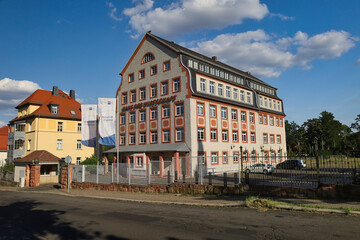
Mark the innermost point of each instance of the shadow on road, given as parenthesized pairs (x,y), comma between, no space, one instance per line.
(22,220)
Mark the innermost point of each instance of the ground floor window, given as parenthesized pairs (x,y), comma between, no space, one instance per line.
(139,161)
(45,170)
(214,158)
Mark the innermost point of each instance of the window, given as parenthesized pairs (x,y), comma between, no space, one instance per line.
(244,157)
(60,127)
(132,117)
(278,138)
(260,100)
(212,87)
(224,157)
(236,157)
(147,58)
(272,139)
(281,122)
(252,137)
(19,144)
(235,93)
(45,170)
(131,77)
(142,137)
(154,137)
(153,90)
(54,109)
(244,136)
(252,118)
(265,102)
(200,108)
(265,119)
(142,74)
(243,116)
(201,134)
(122,118)
(142,93)
(266,154)
(274,104)
(132,138)
(166,135)
(153,113)
(59,144)
(277,121)
(212,111)
(166,111)
(248,97)
(213,134)
(124,98)
(139,161)
(271,120)
(270,104)
(228,92)
(265,136)
(190,63)
(122,139)
(253,156)
(142,115)
(225,135)
(223,113)
(235,136)
(260,119)
(164,88)
(78,144)
(78,160)
(179,109)
(79,127)
(179,134)
(278,104)
(166,66)
(202,85)
(220,89)
(242,96)
(176,85)
(234,114)
(153,70)
(201,157)
(29,145)
(133,96)
(214,158)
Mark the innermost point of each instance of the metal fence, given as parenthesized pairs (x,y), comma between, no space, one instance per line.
(227,170)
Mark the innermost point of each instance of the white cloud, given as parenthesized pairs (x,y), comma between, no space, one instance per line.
(192,15)
(2,123)
(113,11)
(358,62)
(12,92)
(281,16)
(267,56)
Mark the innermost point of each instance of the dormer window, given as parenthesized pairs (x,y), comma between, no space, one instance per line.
(72,112)
(54,109)
(147,58)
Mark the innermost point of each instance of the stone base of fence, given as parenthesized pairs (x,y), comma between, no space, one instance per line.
(327,191)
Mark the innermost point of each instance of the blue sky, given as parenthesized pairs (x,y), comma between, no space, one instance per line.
(309,50)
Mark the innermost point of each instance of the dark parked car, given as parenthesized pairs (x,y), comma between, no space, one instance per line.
(291,164)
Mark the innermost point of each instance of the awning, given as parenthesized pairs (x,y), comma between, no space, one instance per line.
(166,147)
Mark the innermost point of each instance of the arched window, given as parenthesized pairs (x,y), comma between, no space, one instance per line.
(147,58)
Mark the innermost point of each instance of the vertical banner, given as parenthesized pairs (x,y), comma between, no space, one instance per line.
(88,125)
(107,121)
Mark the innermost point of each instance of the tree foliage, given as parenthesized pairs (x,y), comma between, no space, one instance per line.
(324,135)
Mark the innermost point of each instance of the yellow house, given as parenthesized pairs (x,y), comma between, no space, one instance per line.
(48,120)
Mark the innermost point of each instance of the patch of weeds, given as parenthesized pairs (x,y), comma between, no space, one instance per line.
(259,203)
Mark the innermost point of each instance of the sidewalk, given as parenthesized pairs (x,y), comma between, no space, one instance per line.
(314,205)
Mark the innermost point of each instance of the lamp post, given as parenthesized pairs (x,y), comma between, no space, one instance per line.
(241,166)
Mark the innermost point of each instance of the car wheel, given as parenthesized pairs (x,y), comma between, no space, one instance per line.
(265,171)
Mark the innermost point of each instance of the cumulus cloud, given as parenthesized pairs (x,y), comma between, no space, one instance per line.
(281,16)
(113,11)
(12,92)
(358,62)
(267,56)
(2,123)
(188,16)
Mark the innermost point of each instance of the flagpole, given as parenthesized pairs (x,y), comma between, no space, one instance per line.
(117,139)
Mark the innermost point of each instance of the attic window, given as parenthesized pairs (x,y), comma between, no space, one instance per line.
(54,109)
(72,112)
(147,58)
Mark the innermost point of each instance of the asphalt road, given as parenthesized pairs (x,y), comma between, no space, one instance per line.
(45,216)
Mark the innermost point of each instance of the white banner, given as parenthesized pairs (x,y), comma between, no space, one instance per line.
(107,121)
(88,125)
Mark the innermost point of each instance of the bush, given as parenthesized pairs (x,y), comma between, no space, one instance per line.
(90,161)
(5,169)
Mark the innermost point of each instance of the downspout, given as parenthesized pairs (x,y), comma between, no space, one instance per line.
(190,80)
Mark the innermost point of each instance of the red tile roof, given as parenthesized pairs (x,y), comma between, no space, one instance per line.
(45,98)
(42,155)
(4,137)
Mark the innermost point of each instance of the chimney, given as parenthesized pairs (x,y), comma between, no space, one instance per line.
(248,73)
(72,94)
(55,91)
(214,58)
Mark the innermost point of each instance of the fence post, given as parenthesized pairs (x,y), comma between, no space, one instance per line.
(168,177)
(236,181)
(210,178)
(149,172)
(201,174)
(112,172)
(317,169)
(129,173)
(184,177)
(225,179)
(97,174)
(83,173)
(196,177)
(176,176)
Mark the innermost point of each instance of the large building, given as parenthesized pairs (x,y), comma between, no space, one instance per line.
(51,121)
(174,102)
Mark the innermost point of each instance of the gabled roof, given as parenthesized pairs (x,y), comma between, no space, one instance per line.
(182,50)
(43,156)
(45,98)
(4,138)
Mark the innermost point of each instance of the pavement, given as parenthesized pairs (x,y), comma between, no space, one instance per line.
(309,205)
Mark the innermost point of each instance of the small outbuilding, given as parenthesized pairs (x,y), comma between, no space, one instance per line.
(37,168)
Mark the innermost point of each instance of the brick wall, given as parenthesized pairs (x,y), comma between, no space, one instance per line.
(34,180)
(64,176)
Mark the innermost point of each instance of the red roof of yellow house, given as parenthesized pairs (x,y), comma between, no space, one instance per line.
(68,107)
(41,155)
(4,131)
